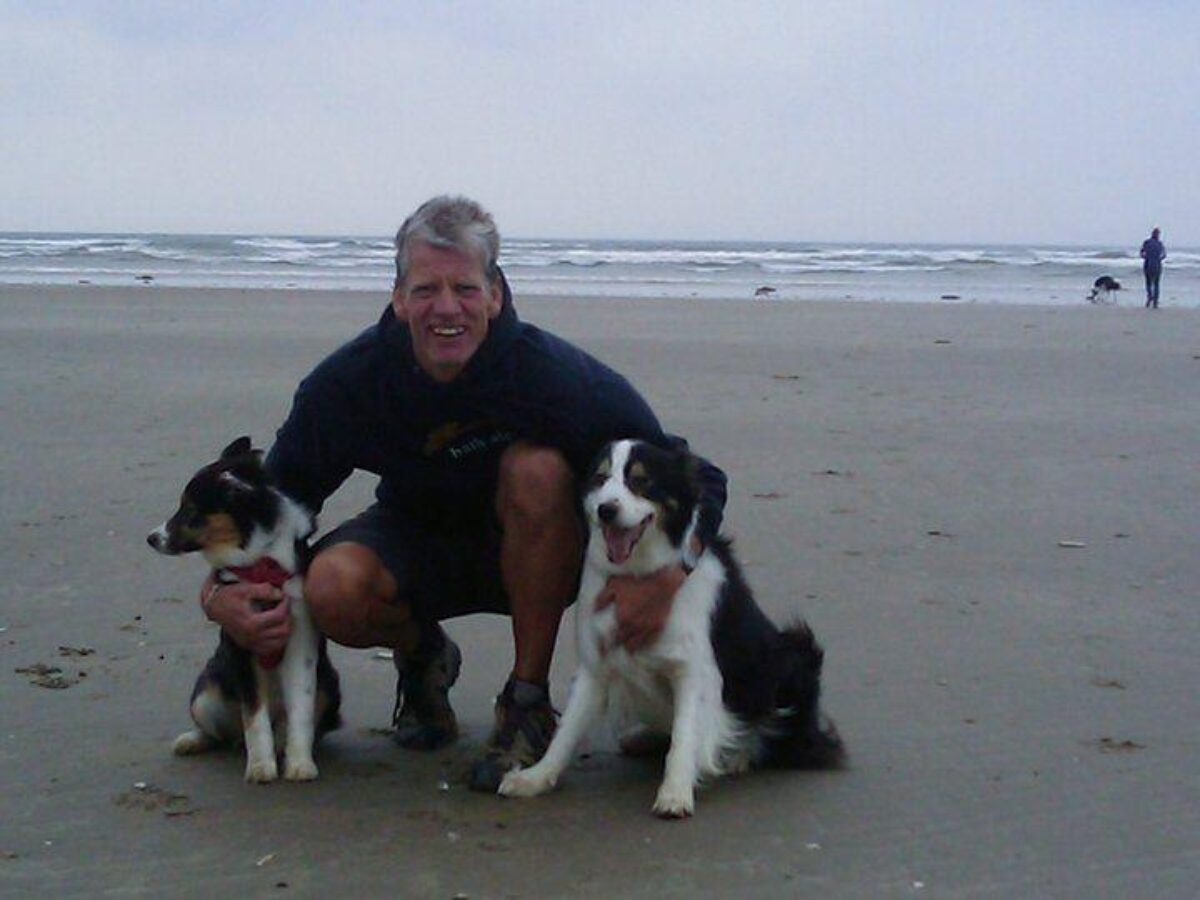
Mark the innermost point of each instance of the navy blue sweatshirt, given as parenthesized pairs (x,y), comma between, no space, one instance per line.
(1153,252)
(436,447)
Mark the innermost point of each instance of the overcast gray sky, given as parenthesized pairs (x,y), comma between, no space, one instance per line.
(1066,122)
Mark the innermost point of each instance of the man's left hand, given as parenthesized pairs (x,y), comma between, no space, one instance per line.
(643,604)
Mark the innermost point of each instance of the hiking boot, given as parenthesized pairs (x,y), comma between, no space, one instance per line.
(522,734)
(422,716)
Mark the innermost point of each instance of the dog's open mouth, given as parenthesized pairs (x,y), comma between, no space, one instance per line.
(621,541)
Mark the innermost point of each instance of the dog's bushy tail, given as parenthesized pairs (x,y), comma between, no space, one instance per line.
(798,735)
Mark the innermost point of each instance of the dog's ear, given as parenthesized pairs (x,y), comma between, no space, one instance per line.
(688,462)
(240,447)
(230,480)
(692,464)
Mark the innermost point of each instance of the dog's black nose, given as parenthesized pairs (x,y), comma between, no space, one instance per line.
(607,511)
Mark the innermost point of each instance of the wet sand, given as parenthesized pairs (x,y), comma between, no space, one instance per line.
(988,514)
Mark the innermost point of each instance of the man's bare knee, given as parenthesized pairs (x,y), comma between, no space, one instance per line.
(535,483)
(342,587)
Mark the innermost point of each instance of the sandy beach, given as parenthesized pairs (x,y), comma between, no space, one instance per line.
(987,513)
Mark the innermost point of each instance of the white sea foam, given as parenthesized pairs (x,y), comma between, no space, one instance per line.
(733,270)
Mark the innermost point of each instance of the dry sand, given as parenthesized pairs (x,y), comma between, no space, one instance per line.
(989,515)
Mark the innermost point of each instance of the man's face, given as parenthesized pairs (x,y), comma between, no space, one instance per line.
(448,304)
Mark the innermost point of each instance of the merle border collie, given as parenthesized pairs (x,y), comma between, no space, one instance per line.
(248,530)
(730,689)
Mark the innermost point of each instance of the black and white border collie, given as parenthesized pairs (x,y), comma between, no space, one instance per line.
(250,531)
(1103,289)
(730,689)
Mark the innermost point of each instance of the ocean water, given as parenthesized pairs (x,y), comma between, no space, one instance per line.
(1043,275)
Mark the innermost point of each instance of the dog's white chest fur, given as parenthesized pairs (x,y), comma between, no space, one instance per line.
(642,684)
(673,686)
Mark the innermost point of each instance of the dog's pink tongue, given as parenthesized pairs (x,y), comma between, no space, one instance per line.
(620,542)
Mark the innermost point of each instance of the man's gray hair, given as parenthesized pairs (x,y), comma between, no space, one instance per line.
(450,223)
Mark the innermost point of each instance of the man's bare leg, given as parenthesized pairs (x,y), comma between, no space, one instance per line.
(540,552)
(355,602)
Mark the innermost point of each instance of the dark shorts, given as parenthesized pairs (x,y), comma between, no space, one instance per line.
(442,575)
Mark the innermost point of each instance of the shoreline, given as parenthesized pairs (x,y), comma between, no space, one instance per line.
(986,512)
(275,293)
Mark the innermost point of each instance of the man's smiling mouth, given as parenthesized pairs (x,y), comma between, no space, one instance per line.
(448,330)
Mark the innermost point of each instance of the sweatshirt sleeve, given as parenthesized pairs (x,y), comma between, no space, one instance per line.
(306,460)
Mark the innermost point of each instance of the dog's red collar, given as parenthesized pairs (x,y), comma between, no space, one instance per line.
(264,571)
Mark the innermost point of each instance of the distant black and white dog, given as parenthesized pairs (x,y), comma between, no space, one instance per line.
(730,689)
(250,531)
(1103,289)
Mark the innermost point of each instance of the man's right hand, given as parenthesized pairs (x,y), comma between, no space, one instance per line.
(256,616)
(643,604)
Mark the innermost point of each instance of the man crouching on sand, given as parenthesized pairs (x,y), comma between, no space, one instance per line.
(478,426)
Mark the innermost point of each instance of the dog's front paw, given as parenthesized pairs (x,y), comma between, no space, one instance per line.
(674,803)
(300,770)
(524,783)
(261,771)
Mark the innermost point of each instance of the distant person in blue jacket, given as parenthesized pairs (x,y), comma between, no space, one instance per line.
(1153,254)
(479,426)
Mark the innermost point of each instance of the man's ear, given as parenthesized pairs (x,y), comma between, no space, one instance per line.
(496,298)
(398,306)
